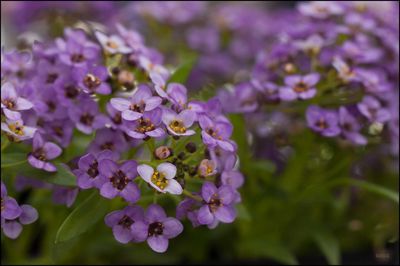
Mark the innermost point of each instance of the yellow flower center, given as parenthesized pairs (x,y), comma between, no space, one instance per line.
(177,126)
(159,180)
(17,128)
(112,44)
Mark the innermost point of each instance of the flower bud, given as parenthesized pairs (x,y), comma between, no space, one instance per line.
(191,147)
(162,152)
(207,168)
(181,156)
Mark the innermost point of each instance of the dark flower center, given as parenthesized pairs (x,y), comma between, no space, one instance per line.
(93,169)
(155,228)
(51,105)
(321,123)
(77,58)
(119,180)
(10,104)
(300,87)
(138,107)
(126,221)
(112,44)
(87,119)
(91,82)
(214,203)
(51,78)
(117,119)
(213,133)
(348,127)
(40,154)
(58,131)
(145,125)
(109,145)
(71,91)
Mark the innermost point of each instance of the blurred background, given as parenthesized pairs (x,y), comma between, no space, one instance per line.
(295,208)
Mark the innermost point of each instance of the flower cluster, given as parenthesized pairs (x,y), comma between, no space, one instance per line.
(113,90)
(338,62)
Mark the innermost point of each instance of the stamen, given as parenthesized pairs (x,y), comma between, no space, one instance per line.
(145,125)
(119,180)
(177,126)
(155,228)
(91,82)
(17,128)
(300,87)
(159,180)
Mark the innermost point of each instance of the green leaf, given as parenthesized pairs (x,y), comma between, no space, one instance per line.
(12,159)
(329,246)
(390,194)
(82,218)
(243,213)
(182,73)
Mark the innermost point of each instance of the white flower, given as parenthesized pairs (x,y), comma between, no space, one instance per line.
(161,179)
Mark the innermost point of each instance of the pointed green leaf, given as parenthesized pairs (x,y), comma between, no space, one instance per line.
(182,73)
(13,159)
(329,246)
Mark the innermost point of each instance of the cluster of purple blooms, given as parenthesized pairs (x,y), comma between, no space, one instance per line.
(114,88)
(341,60)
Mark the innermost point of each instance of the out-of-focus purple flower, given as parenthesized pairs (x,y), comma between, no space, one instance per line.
(218,204)
(93,80)
(132,38)
(162,179)
(177,95)
(350,127)
(121,222)
(16,130)
(141,101)
(16,65)
(216,133)
(299,87)
(118,180)
(323,121)
(60,130)
(11,103)
(372,109)
(374,81)
(48,106)
(12,228)
(87,116)
(320,9)
(64,195)
(9,207)
(156,228)
(22,182)
(346,73)
(178,124)
(242,99)
(115,116)
(153,69)
(108,139)
(146,126)
(204,39)
(88,172)
(188,208)
(112,44)
(42,153)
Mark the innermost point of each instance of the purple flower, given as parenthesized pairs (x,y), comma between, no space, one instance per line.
(156,228)
(350,127)
(299,87)
(178,124)
(115,116)
(188,208)
(42,153)
(12,228)
(121,222)
(177,95)
(48,105)
(112,44)
(64,195)
(323,121)
(345,72)
(77,51)
(118,180)
(11,103)
(88,175)
(87,117)
(16,130)
(141,101)
(243,99)
(372,109)
(207,168)
(9,207)
(93,79)
(216,133)
(218,204)
(320,9)
(108,139)
(146,126)
(60,130)
(158,74)
(161,179)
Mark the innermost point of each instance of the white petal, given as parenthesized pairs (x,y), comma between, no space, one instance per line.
(168,169)
(145,171)
(174,187)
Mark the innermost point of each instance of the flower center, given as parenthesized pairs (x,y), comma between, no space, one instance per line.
(17,128)
(117,119)
(77,58)
(213,133)
(126,221)
(109,145)
(10,104)
(40,154)
(214,203)
(321,123)
(159,180)
(300,87)
(93,169)
(87,119)
(112,44)
(119,180)
(51,78)
(58,131)
(177,126)
(2,204)
(51,105)
(91,81)
(145,125)
(155,228)
(71,91)
(138,107)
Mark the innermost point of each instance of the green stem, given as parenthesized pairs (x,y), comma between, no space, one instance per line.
(190,195)
(5,144)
